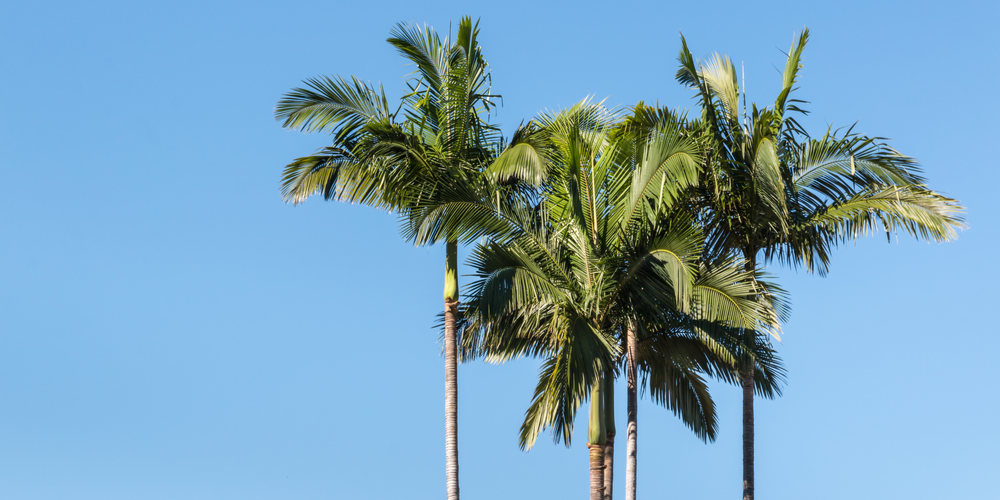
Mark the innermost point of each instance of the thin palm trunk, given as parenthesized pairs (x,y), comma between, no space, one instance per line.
(597,439)
(633,407)
(609,466)
(748,432)
(747,382)
(451,369)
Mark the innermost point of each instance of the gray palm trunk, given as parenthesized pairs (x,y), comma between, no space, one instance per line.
(633,407)
(609,466)
(747,383)
(451,369)
(748,433)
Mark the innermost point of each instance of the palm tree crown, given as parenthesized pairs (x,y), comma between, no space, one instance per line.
(403,159)
(603,257)
(770,191)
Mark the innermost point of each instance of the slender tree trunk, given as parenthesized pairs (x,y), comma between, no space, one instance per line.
(609,467)
(748,433)
(451,370)
(747,382)
(596,440)
(633,411)
(609,425)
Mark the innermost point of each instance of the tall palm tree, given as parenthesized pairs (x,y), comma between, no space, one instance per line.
(770,191)
(403,159)
(599,259)
(742,344)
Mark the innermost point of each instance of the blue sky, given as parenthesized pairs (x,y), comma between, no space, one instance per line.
(170,329)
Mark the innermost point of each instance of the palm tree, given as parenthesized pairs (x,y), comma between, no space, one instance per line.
(597,261)
(403,159)
(741,343)
(770,191)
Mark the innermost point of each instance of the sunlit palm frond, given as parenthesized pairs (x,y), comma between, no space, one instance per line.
(726,295)
(667,167)
(768,184)
(525,159)
(791,74)
(719,76)
(912,209)
(833,165)
(332,104)
(315,174)
(424,48)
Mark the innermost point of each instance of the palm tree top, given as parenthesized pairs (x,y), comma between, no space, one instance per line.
(398,157)
(770,187)
(603,250)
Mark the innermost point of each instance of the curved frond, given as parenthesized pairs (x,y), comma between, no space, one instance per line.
(422,46)
(791,74)
(769,187)
(525,159)
(332,103)
(669,165)
(316,174)
(920,212)
(726,295)
(719,75)
(564,382)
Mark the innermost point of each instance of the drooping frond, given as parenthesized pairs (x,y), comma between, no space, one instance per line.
(422,46)
(727,295)
(525,159)
(564,381)
(676,383)
(913,209)
(332,104)
(316,174)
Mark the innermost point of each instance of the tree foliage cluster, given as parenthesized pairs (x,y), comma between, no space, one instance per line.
(608,243)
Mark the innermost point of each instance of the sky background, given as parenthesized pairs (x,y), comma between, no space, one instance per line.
(169,328)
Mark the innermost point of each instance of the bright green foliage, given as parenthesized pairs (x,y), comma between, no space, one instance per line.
(768,190)
(602,249)
(406,159)
(769,187)
(397,157)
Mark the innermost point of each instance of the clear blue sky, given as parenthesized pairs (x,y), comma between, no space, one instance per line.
(170,329)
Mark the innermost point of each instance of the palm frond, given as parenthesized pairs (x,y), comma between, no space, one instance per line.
(334,104)
(791,74)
